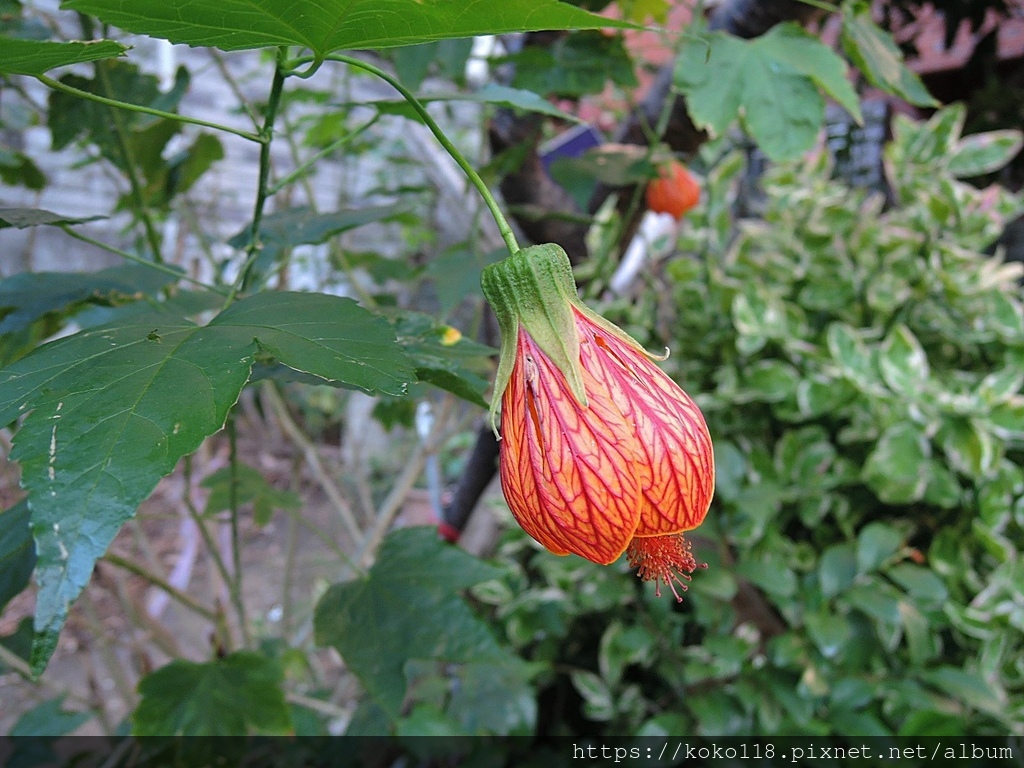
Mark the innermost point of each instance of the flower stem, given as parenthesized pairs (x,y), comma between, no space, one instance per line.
(417,105)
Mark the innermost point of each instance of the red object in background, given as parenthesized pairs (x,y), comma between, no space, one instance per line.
(675,191)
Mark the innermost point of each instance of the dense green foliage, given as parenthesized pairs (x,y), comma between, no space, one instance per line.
(860,368)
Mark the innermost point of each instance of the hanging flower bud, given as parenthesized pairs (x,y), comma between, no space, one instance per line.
(674,192)
(601,452)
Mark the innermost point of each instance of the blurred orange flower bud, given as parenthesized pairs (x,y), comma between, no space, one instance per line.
(674,192)
(601,452)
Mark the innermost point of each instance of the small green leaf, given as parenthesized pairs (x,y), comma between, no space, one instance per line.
(897,468)
(921,642)
(920,583)
(238,695)
(250,487)
(22,218)
(876,543)
(730,470)
(969,688)
(18,169)
(881,603)
(17,552)
(442,357)
(837,569)
(849,351)
(770,381)
(597,697)
(35,57)
(970,449)
(325,26)
(406,608)
(791,43)
(902,362)
(875,54)
(983,153)
(829,631)
(759,313)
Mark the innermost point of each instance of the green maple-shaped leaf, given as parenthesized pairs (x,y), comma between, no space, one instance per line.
(324,26)
(34,57)
(406,608)
(113,408)
(773,84)
(235,696)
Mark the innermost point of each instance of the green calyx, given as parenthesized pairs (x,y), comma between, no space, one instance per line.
(534,288)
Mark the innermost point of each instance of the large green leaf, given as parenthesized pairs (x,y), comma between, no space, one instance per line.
(234,696)
(112,409)
(771,83)
(29,296)
(34,57)
(17,552)
(324,26)
(875,54)
(406,608)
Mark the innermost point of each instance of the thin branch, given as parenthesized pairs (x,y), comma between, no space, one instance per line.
(156,581)
(59,86)
(334,146)
(312,457)
(139,260)
(403,484)
(131,169)
(457,156)
(235,585)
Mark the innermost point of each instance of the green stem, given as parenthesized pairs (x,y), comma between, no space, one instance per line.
(263,187)
(211,548)
(130,168)
(236,548)
(156,581)
(59,86)
(334,146)
(139,260)
(474,177)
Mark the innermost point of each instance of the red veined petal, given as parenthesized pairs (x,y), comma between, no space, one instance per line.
(678,473)
(570,474)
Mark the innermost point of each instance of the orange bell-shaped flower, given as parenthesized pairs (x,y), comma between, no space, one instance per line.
(601,452)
